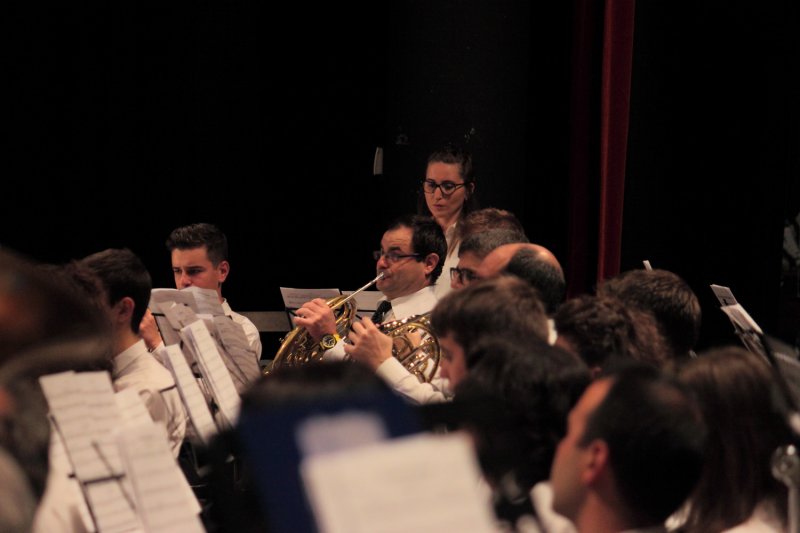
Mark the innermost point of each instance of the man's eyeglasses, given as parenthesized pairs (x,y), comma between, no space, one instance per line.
(447,187)
(391,257)
(465,276)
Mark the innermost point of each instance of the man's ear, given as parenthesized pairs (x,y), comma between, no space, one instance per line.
(596,461)
(223,268)
(123,310)
(431,260)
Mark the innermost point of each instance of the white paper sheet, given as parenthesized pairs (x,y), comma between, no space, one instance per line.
(724,295)
(295,298)
(163,502)
(213,370)
(423,484)
(191,394)
(367,301)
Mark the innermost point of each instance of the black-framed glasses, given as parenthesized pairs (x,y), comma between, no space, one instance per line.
(392,257)
(465,276)
(447,187)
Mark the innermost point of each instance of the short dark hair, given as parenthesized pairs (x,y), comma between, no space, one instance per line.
(496,307)
(603,331)
(427,238)
(654,431)
(541,275)
(527,390)
(122,274)
(483,242)
(668,297)
(490,218)
(452,154)
(198,235)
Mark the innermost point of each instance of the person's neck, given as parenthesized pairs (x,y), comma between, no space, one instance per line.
(445,223)
(597,516)
(123,340)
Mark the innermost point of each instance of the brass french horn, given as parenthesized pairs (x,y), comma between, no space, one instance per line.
(413,342)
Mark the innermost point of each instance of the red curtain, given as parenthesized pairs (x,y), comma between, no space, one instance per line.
(601,67)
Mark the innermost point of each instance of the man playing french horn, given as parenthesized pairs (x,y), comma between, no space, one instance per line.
(410,260)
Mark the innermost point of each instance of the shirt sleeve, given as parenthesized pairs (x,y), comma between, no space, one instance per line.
(408,386)
(336,353)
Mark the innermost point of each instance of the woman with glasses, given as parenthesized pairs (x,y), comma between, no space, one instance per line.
(448,194)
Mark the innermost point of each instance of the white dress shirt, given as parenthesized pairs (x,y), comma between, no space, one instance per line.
(137,368)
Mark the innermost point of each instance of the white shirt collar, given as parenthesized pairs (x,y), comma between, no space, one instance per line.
(124,359)
(417,303)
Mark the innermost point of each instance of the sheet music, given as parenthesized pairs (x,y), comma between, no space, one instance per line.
(161,296)
(741,318)
(647,265)
(132,408)
(435,476)
(366,301)
(190,392)
(60,466)
(327,433)
(207,300)
(83,406)
(98,393)
(295,298)
(213,370)
(200,300)
(178,316)
(238,355)
(168,333)
(159,485)
(113,509)
(724,295)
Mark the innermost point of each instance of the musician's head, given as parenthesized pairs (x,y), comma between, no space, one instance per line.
(411,255)
(490,218)
(199,256)
(633,450)
(603,331)
(126,283)
(475,247)
(499,307)
(522,393)
(663,293)
(448,191)
(40,305)
(737,392)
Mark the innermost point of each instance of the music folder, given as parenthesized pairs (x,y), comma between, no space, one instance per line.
(275,440)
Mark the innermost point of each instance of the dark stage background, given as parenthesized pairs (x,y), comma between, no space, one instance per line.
(188,108)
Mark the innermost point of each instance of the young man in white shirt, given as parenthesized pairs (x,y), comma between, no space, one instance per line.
(199,254)
(126,284)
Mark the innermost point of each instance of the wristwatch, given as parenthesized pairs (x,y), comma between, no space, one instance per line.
(329,341)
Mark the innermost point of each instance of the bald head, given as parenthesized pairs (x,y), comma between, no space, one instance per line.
(497,260)
(533,263)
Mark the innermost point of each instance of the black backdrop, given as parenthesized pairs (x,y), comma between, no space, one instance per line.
(187,108)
